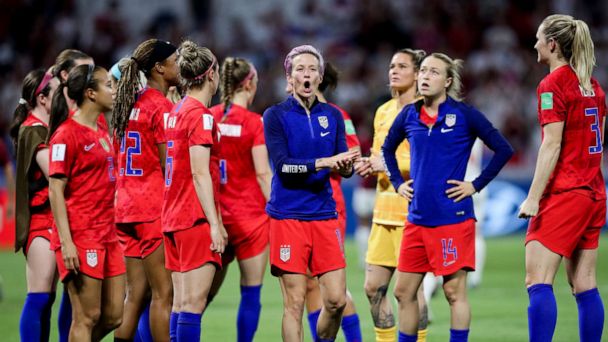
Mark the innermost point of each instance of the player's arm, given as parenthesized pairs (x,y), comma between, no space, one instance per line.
(548,154)
(203,185)
(42,159)
(395,137)
(262,169)
(345,157)
(60,214)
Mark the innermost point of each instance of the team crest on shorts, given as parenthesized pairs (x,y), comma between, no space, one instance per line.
(323,121)
(104,144)
(450,120)
(92,257)
(285,253)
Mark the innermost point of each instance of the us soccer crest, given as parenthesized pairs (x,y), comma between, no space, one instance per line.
(323,121)
(104,144)
(450,120)
(92,257)
(285,253)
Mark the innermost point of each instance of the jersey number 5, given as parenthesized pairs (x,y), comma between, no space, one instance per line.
(169,164)
(595,127)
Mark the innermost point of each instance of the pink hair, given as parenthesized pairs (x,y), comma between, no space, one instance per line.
(298,50)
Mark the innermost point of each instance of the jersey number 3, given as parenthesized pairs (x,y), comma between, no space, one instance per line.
(595,128)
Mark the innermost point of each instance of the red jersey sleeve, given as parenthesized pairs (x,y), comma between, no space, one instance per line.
(200,131)
(551,103)
(158,121)
(258,131)
(62,152)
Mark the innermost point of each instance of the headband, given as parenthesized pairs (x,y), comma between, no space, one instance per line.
(45,81)
(161,51)
(115,71)
(250,75)
(207,71)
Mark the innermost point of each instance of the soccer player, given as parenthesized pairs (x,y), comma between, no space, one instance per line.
(439,235)
(81,191)
(350,320)
(34,219)
(138,121)
(306,141)
(567,198)
(194,236)
(390,209)
(243,165)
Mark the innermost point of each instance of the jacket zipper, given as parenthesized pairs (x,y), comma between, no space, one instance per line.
(312,133)
(430,129)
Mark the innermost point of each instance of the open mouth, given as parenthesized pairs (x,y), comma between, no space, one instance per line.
(424,85)
(307,85)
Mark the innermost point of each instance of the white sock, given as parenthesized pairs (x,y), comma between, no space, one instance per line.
(474,279)
(361,237)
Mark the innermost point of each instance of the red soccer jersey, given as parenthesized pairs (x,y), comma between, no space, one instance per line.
(85,157)
(101,120)
(351,141)
(561,99)
(139,187)
(189,124)
(41,196)
(241,130)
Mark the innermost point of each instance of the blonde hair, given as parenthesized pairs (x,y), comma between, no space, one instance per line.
(194,64)
(453,70)
(417,57)
(575,44)
(234,72)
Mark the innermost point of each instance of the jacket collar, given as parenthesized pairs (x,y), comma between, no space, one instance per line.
(297,107)
(444,107)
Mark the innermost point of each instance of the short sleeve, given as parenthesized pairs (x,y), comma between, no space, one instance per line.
(257,128)
(551,103)
(62,150)
(200,131)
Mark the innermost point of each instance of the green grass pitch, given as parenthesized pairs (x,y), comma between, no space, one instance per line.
(499,306)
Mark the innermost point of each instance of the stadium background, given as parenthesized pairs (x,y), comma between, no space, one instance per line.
(495,38)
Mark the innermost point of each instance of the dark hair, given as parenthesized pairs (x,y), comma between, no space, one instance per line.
(194,63)
(79,80)
(234,71)
(65,61)
(416,55)
(30,84)
(330,77)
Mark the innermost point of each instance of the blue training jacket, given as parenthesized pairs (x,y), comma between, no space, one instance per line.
(295,140)
(441,153)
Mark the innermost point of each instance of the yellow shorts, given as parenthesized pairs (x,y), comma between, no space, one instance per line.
(383,245)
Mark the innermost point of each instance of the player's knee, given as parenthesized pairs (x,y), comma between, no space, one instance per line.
(335,303)
(295,306)
(375,290)
(404,294)
(454,294)
(88,318)
(581,284)
(112,321)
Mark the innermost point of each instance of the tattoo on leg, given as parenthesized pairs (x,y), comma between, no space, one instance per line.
(382,318)
(424,318)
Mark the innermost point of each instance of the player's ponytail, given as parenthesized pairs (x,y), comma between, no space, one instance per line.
(235,73)
(59,110)
(575,44)
(453,70)
(36,82)
(330,77)
(583,57)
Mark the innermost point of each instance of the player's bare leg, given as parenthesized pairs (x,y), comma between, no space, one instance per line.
(580,269)
(377,279)
(85,296)
(195,285)
(455,290)
(252,269)
(137,288)
(41,267)
(162,293)
(333,293)
(112,302)
(293,287)
(407,290)
(541,264)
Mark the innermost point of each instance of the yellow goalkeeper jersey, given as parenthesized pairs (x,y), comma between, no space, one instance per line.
(390,208)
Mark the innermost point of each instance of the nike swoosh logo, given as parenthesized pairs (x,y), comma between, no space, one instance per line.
(448,263)
(445,130)
(324,134)
(88,147)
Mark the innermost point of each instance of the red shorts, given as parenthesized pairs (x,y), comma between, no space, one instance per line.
(568,221)
(139,239)
(189,249)
(443,250)
(296,246)
(41,225)
(99,263)
(246,239)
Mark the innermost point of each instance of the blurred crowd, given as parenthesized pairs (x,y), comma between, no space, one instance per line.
(494,37)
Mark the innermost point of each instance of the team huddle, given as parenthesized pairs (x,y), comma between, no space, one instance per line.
(140,212)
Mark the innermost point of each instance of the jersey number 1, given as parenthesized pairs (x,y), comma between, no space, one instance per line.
(595,127)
